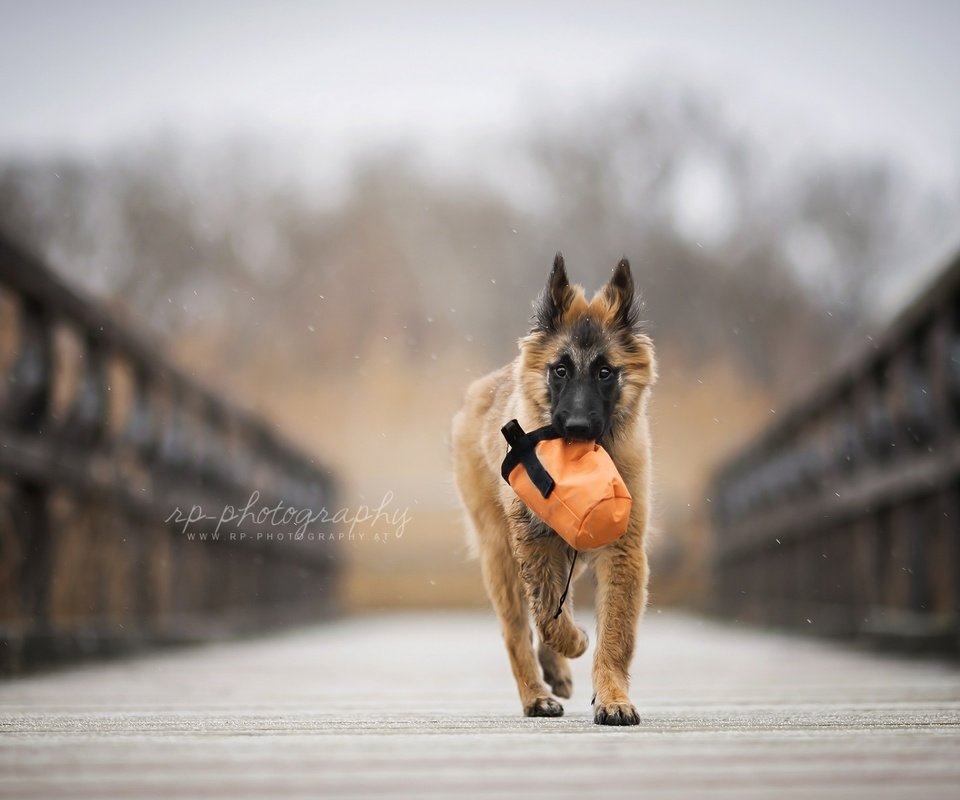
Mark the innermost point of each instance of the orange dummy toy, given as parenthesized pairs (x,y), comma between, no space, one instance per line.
(574,487)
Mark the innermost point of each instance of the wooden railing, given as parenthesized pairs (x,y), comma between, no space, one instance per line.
(843,517)
(101,441)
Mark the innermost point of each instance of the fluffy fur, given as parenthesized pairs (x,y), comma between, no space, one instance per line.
(524,563)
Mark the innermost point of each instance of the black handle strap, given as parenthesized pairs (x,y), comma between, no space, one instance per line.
(523,450)
(566,589)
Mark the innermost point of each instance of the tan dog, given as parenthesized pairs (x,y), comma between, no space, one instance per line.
(585,367)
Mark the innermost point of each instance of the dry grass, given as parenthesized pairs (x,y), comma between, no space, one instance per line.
(383,427)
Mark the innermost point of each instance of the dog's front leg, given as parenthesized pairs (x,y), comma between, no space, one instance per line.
(621,596)
(544,565)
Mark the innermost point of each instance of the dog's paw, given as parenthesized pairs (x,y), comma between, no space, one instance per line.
(579,645)
(563,637)
(566,639)
(562,687)
(556,672)
(615,714)
(543,707)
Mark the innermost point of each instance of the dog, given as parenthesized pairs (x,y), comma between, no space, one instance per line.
(587,367)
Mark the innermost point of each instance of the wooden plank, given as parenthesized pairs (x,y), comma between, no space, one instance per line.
(424,705)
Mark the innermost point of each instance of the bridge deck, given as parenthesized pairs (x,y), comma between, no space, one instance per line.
(423,705)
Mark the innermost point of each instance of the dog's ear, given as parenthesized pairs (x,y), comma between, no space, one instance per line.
(554,300)
(622,301)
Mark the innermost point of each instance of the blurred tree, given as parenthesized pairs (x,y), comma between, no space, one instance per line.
(736,259)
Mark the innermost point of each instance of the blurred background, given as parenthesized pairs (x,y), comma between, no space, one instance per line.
(336,215)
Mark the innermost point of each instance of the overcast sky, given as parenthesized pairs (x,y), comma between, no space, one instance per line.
(865,77)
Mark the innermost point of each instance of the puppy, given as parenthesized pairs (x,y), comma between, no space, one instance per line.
(586,367)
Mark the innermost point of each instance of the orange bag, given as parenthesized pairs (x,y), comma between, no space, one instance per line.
(574,487)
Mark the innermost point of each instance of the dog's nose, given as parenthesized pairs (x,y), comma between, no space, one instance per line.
(577,428)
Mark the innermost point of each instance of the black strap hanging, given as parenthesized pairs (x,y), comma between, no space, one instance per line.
(566,588)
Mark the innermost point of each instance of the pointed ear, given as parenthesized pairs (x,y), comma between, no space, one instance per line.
(554,300)
(621,297)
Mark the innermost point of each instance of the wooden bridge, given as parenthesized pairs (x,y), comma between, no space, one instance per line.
(424,706)
(102,440)
(839,520)
(843,518)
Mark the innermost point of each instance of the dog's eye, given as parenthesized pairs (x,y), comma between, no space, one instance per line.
(560,371)
(605,373)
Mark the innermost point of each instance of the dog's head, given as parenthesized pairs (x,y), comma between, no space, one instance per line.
(586,365)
